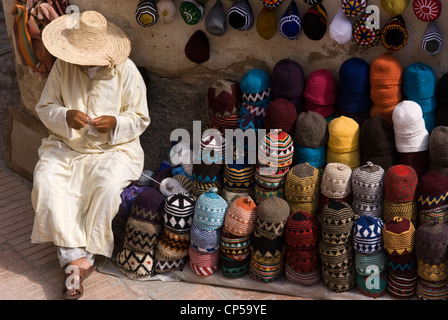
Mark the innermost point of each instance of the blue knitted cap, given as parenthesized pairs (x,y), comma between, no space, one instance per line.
(255,81)
(354,75)
(210,210)
(419,81)
(316,157)
(368,234)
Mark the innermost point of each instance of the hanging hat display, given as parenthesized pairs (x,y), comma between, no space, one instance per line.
(427,10)
(341,28)
(215,22)
(366,31)
(146,13)
(266,23)
(271,4)
(166,10)
(240,15)
(394,7)
(432,40)
(197,48)
(314,22)
(191,11)
(394,34)
(290,24)
(353,8)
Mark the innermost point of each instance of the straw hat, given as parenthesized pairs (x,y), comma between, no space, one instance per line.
(94,42)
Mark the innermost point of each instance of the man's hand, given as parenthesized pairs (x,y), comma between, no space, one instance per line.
(76,119)
(104,124)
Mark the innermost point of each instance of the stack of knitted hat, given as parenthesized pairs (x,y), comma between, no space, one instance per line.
(411,136)
(208,167)
(386,85)
(419,85)
(310,139)
(336,184)
(438,156)
(302,262)
(377,142)
(399,245)
(238,226)
(336,246)
(137,257)
(256,89)
(174,241)
(432,261)
(370,258)
(302,188)
(288,82)
(275,155)
(442,101)
(208,219)
(321,93)
(343,142)
(400,193)
(368,190)
(433,197)
(354,89)
(280,114)
(267,242)
(223,103)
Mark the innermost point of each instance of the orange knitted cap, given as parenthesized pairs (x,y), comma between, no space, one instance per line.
(386,70)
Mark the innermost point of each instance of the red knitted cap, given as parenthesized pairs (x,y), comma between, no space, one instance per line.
(400,183)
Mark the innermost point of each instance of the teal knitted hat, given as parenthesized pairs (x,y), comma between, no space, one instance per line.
(210,210)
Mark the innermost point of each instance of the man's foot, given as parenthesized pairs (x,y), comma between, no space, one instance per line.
(75,273)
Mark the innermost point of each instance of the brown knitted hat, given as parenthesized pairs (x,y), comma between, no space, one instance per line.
(272,216)
(311,130)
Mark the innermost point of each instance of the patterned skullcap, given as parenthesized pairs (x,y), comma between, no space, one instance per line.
(399,236)
(432,40)
(203,264)
(368,235)
(368,183)
(205,241)
(235,247)
(240,15)
(272,216)
(290,25)
(178,212)
(241,216)
(364,35)
(146,13)
(353,8)
(192,11)
(427,10)
(302,230)
(336,181)
(210,210)
(338,219)
(276,149)
(432,190)
(400,183)
(431,242)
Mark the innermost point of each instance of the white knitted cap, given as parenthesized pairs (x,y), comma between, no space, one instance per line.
(336,181)
(341,28)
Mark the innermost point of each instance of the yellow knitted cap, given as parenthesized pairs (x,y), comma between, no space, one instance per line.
(351,159)
(394,7)
(343,135)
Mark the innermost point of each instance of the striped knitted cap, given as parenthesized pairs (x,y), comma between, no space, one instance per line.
(148,206)
(366,263)
(302,260)
(368,183)
(235,247)
(402,285)
(302,278)
(338,219)
(432,190)
(210,210)
(233,268)
(343,135)
(431,242)
(203,264)
(430,290)
(400,183)
(276,149)
(241,216)
(272,216)
(314,22)
(172,245)
(302,183)
(302,230)
(146,13)
(204,240)
(432,40)
(364,284)
(368,235)
(399,236)
(165,265)
(407,210)
(178,212)
(336,181)
(238,178)
(240,15)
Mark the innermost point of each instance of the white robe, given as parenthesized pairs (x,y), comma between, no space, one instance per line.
(81,173)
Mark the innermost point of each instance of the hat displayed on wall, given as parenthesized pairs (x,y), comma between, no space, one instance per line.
(341,29)
(366,36)
(166,11)
(146,13)
(394,34)
(240,15)
(427,10)
(215,22)
(290,24)
(394,7)
(191,11)
(432,40)
(314,22)
(197,48)
(271,4)
(266,23)
(353,8)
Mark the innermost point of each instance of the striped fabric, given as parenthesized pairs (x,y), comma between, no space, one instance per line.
(276,149)
(432,40)
(23,39)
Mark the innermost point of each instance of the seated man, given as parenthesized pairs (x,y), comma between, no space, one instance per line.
(95,108)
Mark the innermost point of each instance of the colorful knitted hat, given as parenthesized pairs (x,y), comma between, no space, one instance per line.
(172,245)
(402,285)
(266,23)
(394,35)
(271,4)
(197,48)
(146,13)
(314,22)
(400,183)
(399,236)
(394,7)
(365,35)
(368,183)
(431,242)
(302,187)
(166,11)
(269,182)
(288,79)
(311,130)
(409,127)
(192,11)
(321,87)
(234,268)
(235,247)
(255,86)
(272,216)
(178,212)
(340,28)
(165,265)
(203,264)
(427,10)
(280,114)
(239,178)
(240,15)
(432,40)
(216,20)
(205,241)
(408,210)
(343,135)
(432,190)
(210,210)
(368,235)
(224,98)
(290,25)
(302,230)
(302,278)
(353,8)
(336,181)
(337,223)
(366,263)
(430,290)
(241,217)
(276,149)
(373,285)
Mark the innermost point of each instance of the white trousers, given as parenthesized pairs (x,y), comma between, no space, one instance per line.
(66,255)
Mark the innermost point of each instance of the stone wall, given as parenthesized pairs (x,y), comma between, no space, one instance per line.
(177,86)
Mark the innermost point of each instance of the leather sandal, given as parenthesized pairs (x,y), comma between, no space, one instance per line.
(72,288)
